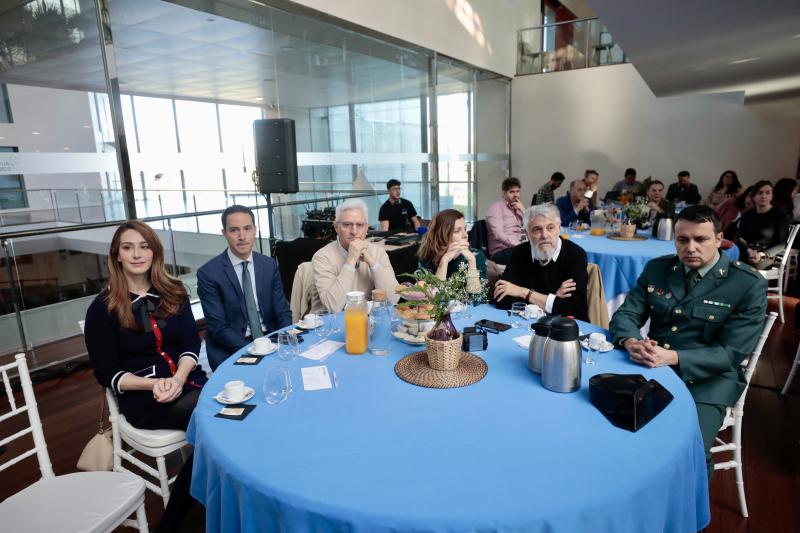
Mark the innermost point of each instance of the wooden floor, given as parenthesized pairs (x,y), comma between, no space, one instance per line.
(70,408)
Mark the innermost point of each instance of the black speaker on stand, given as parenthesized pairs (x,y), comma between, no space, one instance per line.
(276,155)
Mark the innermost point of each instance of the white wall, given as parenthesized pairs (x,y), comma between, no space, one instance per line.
(607,118)
(482,33)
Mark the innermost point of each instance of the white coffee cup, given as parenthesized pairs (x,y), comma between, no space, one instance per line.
(597,341)
(310,319)
(262,345)
(234,391)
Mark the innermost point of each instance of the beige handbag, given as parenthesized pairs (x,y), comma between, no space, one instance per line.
(98,454)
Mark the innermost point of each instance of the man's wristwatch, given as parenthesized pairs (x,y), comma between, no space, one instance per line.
(528,296)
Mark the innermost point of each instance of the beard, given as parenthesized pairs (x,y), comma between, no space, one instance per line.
(543,252)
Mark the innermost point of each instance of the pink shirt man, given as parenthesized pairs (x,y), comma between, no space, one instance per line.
(504,219)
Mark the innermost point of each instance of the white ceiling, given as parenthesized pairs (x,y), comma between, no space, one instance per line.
(683,46)
(164,49)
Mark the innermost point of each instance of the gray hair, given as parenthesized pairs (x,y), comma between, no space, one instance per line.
(547,210)
(352,203)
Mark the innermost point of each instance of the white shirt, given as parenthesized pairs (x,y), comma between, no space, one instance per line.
(551,298)
(238,267)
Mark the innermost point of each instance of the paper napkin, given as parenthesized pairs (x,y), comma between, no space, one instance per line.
(316,378)
(319,352)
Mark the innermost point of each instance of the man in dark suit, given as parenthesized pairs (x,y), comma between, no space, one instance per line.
(240,290)
(546,270)
(574,206)
(683,191)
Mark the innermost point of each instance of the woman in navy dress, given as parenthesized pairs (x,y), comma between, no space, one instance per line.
(143,345)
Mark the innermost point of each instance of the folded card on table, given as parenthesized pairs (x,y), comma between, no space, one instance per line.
(522,341)
(316,378)
(322,350)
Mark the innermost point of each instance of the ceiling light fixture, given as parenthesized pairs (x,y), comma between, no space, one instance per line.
(86,127)
(259,99)
(745,60)
(35,133)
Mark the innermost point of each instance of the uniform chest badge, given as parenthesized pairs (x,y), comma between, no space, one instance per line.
(717,304)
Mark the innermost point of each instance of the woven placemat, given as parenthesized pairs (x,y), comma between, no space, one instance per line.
(618,237)
(414,369)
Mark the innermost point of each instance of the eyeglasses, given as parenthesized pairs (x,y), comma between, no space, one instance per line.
(350,225)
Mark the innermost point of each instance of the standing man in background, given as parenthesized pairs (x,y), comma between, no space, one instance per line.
(546,192)
(397,213)
(504,222)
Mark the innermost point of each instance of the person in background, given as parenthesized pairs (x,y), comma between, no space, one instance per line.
(143,345)
(350,263)
(574,206)
(655,200)
(545,193)
(397,213)
(445,247)
(783,196)
(762,232)
(240,290)
(504,222)
(546,270)
(706,313)
(683,191)
(630,186)
(727,188)
(591,179)
(731,211)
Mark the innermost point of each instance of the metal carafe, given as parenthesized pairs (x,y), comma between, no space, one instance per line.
(540,332)
(561,363)
(663,228)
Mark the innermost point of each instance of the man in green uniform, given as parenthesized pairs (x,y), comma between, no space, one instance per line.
(706,313)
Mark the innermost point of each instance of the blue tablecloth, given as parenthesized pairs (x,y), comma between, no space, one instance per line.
(621,262)
(504,454)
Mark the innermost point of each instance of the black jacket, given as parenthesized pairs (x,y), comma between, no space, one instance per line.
(522,270)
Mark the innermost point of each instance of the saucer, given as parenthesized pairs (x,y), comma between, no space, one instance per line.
(607,346)
(248,393)
(303,325)
(252,350)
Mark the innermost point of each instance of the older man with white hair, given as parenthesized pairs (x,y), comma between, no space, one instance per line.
(546,270)
(350,263)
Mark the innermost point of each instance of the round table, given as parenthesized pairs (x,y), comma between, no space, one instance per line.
(621,262)
(379,454)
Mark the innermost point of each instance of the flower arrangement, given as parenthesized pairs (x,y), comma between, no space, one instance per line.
(434,296)
(638,212)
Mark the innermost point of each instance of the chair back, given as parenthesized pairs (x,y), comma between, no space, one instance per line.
(29,407)
(303,291)
(596,297)
(754,357)
(479,237)
(792,234)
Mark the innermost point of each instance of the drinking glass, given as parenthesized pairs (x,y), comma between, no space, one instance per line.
(518,315)
(288,346)
(325,324)
(590,360)
(277,384)
(467,310)
(572,229)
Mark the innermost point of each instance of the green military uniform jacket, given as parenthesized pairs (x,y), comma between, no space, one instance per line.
(713,328)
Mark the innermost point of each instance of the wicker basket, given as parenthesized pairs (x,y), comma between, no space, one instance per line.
(443,355)
(627,230)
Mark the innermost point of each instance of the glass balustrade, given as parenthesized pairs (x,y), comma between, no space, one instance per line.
(568,45)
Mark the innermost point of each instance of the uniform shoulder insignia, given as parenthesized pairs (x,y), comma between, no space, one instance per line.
(744,267)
